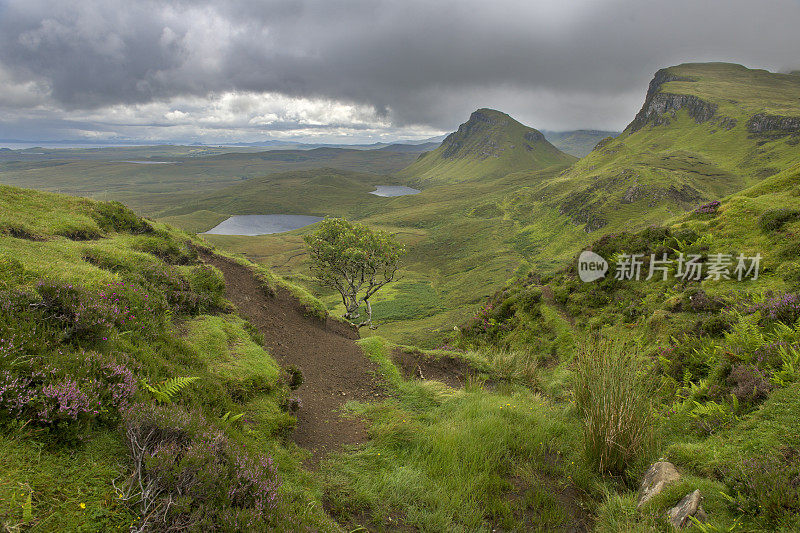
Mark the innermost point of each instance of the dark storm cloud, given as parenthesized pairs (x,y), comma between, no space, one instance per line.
(554,65)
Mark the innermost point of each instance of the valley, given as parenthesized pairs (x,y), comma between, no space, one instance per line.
(172,287)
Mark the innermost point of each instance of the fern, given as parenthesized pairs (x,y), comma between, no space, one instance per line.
(790,358)
(231,418)
(27,509)
(167,391)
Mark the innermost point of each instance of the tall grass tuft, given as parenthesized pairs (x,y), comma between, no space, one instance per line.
(612,395)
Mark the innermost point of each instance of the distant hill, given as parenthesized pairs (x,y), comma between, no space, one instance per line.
(490,144)
(318,192)
(577,142)
(408,148)
(705,130)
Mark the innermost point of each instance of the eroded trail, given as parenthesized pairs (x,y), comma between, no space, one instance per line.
(334,368)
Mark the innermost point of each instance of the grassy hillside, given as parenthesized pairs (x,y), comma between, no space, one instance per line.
(721,354)
(578,142)
(489,145)
(466,237)
(704,131)
(109,321)
(116,341)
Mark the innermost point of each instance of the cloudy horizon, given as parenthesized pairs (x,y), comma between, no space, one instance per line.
(356,71)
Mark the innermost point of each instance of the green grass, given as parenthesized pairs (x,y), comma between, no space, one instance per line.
(59,481)
(444,460)
(232,351)
(235,374)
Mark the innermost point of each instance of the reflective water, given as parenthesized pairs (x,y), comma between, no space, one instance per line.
(394,190)
(261,224)
(148,162)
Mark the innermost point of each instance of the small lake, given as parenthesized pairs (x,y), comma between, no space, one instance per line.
(148,162)
(251,225)
(394,190)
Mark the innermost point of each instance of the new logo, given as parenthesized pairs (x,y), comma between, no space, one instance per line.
(591,266)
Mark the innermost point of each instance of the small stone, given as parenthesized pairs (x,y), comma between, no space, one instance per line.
(658,476)
(690,505)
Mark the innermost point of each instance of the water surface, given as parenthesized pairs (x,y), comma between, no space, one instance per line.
(261,224)
(148,162)
(394,190)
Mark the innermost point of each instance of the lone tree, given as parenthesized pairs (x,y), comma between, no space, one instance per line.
(354,260)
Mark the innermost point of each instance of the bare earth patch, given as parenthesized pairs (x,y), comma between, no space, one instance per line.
(334,368)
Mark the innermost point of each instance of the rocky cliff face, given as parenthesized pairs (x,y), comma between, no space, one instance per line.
(763,123)
(659,106)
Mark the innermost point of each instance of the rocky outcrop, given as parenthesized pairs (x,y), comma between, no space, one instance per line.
(663,106)
(763,123)
(658,476)
(534,136)
(689,507)
(658,103)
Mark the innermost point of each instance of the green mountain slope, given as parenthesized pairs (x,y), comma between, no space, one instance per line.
(704,131)
(578,142)
(489,145)
(722,354)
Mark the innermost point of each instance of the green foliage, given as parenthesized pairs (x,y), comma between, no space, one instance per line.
(409,300)
(167,391)
(294,377)
(187,474)
(775,219)
(354,260)
(444,460)
(612,393)
(114,216)
(167,249)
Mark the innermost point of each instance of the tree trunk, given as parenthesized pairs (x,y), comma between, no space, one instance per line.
(368,321)
(351,304)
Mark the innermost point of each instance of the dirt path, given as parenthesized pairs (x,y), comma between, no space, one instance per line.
(334,368)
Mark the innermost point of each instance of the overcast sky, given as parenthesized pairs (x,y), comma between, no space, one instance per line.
(357,70)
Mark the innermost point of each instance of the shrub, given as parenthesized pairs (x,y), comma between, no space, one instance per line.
(166,249)
(88,314)
(698,300)
(114,216)
(209,283)
(613,399)
(294,377)
(768,485)
(196,289)
(708,209)
(528,300)
(715,325)
(65,393)
(748,383)
(774,219)
(187,474)
(783,308)
(688,356)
